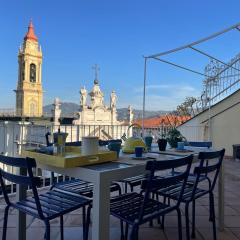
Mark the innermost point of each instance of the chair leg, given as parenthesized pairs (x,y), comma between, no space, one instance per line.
(151,221)
(4,234)
(134,233)
(126,231)
(126,187)
(193,219)
(179,224)
(47,233)
(210,210)
(158,219)
(122,230)
(61,227)
(213,216)
(84,221)
(85,237)
(119,191)
(187,221)
(163,217)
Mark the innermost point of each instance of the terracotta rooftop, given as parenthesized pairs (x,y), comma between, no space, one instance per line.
(165,120)
(30,34)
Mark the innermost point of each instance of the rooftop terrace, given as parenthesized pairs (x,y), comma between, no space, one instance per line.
(72,222)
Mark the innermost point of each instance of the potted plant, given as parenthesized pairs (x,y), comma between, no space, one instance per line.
(162,142)
(148,140)
(174,136)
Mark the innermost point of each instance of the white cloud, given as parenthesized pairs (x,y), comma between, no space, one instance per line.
(162,97)
(168,87)
(154,86)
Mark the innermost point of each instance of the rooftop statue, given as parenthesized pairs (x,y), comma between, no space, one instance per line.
(113,100)
(97,97)
(83,97)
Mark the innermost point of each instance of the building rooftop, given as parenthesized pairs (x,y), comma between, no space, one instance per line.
(166,120)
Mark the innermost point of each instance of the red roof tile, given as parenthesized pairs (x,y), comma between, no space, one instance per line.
(166,120)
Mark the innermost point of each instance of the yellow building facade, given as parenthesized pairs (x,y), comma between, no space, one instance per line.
(29,93)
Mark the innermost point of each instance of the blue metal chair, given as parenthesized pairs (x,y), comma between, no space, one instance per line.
(133,182)
(193,191)
(77,186)
(80,187)
(205,144)
(201,144)
(46,206)
(136,209)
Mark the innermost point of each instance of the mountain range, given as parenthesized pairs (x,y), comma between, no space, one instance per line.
(68,110)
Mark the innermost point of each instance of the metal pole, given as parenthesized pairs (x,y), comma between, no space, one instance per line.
(196,42)
(179,66)
(144,94)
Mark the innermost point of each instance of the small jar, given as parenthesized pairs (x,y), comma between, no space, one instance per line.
(55,149)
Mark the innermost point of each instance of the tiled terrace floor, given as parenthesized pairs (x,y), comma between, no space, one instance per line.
(204,227)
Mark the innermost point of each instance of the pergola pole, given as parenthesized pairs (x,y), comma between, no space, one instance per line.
(144,94)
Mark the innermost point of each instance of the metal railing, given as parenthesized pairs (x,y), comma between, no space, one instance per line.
(222,80)
(7,112)
(14,135)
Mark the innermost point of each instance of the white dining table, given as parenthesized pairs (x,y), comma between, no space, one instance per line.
(101,175)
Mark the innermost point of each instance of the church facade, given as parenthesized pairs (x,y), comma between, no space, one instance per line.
(96,113)
(29,92)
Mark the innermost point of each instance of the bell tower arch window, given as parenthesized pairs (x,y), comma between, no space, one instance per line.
(23,71)
(32,73)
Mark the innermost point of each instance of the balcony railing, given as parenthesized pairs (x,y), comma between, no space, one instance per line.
(14,135)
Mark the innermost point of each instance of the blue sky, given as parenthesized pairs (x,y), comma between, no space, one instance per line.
(115,34)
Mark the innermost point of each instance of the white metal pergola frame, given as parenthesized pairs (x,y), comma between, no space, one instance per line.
(187,46)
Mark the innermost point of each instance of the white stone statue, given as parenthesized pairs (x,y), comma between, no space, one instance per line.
(113,100)
(56,111)
(130,114)
(97,97)
(83,97)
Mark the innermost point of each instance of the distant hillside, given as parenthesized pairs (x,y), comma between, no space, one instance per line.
(123,112)
(68,110)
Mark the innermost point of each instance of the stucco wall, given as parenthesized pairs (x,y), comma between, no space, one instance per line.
(224,124)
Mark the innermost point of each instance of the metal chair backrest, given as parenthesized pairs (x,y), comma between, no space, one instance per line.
(103,142)
(106,142)
(205,167)
(115,140)
(200,144)
(74,144)
(47,139)
(154,183)
(27,181)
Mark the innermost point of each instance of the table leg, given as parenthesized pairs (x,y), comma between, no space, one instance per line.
(21,217)
(221,199)
(101,210)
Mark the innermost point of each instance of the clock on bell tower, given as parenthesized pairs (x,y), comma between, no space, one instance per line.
(29,93)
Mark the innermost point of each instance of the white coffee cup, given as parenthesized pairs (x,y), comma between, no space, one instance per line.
(90,145)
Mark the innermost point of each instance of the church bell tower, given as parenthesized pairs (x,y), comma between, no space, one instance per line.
(29,93)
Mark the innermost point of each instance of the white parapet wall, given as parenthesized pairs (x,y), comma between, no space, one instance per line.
(15,134)
(223,129)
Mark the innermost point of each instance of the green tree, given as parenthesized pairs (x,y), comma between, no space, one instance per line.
(186,108)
